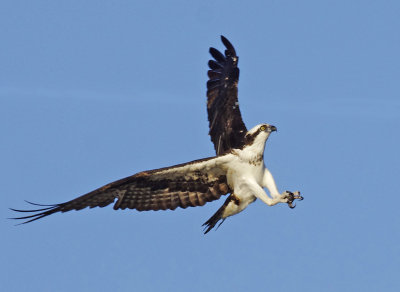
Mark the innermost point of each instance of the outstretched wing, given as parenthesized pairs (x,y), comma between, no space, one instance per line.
(227,129)
(184,185)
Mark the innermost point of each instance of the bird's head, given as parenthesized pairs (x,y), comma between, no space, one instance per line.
(259,134)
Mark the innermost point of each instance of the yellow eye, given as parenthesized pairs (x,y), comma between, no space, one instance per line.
(262,128)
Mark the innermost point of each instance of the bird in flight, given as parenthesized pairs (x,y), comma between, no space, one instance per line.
(238,168)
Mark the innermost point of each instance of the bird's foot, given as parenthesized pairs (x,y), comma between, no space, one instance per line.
(291,197)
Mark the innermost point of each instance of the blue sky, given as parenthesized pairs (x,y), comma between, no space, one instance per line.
(92,91)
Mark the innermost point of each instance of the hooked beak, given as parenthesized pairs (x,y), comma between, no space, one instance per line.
(273,128)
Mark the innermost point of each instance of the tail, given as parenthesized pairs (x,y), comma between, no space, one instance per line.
(210,223)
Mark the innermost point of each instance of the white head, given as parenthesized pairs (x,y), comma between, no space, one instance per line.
(258,135)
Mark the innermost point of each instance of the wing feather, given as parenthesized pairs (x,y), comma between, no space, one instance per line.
(227,129)
(185,185)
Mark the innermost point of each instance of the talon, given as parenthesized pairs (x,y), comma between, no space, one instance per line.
(300,198)
(291,197)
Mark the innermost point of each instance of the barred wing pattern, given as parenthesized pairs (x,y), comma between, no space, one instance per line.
(185,185)
(227,129)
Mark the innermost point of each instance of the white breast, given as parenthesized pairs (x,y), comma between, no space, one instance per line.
(242,169)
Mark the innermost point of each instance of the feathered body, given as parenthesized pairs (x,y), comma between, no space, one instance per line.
(238,169)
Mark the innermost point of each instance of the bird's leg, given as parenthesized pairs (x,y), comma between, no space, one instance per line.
(259,193)
(285,197)
(269,183)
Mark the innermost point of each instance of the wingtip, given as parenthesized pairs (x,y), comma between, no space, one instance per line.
(228,45)
(16,218)
(217,55)
(42,205)
(31,211)
(17,223)
(225,40)
(39,213)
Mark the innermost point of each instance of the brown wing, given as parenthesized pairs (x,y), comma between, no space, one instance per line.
(227,129)
(184,185)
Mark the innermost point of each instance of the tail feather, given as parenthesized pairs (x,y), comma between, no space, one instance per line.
(210,223)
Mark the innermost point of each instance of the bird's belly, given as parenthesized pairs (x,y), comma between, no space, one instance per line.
(240,175)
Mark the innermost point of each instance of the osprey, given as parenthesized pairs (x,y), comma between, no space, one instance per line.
(237,170)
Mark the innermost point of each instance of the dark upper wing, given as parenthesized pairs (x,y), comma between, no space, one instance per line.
(184,185)
(227,129)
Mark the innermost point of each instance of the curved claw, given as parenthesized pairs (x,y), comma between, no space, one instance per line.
(292,197)
(297,196)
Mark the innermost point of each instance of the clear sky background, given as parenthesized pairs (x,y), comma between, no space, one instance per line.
(93,91)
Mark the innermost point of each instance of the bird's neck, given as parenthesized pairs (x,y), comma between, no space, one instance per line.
(254,153)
